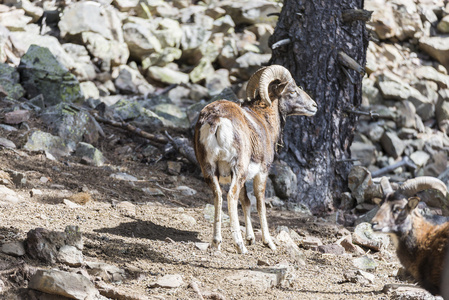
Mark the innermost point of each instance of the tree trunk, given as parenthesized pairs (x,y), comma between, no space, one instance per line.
(317,148)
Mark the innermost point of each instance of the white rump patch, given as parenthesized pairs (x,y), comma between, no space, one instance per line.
(219,145)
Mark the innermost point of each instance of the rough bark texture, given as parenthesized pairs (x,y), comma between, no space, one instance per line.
(317,148)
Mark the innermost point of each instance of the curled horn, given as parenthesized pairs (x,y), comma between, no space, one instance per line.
(253,84)
(386,186)
(416,185)
(270,74)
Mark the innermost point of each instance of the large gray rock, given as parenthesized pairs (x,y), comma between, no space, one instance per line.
(364,236)
(365,153)
(70,256)
(259,280)
(167,75)
(141,40)
(107,53)
(249,63)
(392,144)
(9,81)
(41,73)
(13,248)
(430,73)
(253,12)
(284,180)
(161,59)
(168,32)
(382,19)
(129,81)
(71,124)
(172,116)
(8,195)
(359,180)
(43,141)
(84,68)
(442,111)
(437,47)
(14,20)
(89,152)
(202,71)
(86,16)
(22,40)
(71,285)
(408,20)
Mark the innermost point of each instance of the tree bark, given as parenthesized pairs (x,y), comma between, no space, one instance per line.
(317,148)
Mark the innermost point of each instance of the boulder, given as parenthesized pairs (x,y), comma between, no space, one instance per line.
(61,283)
(85,16)
(10,81)
(437,47)
(41,73)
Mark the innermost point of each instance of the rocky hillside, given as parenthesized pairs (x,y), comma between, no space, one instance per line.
(88,90)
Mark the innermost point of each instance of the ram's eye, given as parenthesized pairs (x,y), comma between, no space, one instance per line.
(293,93)
(397,209)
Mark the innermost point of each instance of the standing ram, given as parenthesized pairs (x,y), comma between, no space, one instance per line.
(235,143)
(420,245)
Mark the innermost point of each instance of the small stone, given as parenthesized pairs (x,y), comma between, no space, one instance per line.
(262,262)
(188,219)
(14,248)
(174,167)
(186,191)
(36,192)
(168,281)
(16,117)
(105,271)
(70,204)
(126,208)
(202,246)
(70,256)
(311,242)
(9,196)
(331,249)
(123,176)
(153,192)
(365,263)
(7,143)
(293,250)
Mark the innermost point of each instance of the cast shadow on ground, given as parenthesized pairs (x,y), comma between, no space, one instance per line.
(151,231)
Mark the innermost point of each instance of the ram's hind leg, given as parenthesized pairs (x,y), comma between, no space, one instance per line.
(246,207)
(233,198)
(218,202)
(259,191)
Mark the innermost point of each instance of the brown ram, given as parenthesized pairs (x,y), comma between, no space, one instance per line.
(235,143)
(420,245)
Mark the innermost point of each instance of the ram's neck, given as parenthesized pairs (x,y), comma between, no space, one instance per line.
(410,243)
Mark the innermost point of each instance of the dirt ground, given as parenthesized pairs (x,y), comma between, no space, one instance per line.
(156,239)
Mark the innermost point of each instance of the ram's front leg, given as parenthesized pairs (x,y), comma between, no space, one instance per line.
(218,202)
(259,191)
(233,197)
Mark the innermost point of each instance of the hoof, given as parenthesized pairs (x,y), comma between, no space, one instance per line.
(270,245)
(242,250)
(250,240)
(216,244)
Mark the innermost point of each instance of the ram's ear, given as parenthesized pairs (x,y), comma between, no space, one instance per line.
(412,203)
(377,201)
(282,87)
